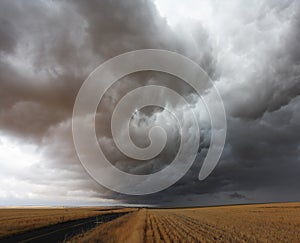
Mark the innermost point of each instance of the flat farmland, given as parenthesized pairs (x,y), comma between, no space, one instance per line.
(246,223)
(18,220)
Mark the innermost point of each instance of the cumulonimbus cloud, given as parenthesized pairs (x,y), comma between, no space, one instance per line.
(250,50)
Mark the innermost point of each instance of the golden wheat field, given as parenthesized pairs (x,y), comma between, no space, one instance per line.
(17,220)
(247,223)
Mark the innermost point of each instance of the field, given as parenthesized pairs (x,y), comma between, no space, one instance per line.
(17,220)
(243,223)
(247,223)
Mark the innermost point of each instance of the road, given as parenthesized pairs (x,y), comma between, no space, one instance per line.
(60,232)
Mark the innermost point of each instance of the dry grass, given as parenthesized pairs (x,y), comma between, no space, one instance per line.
(248,223)
(16,220)
(126,229)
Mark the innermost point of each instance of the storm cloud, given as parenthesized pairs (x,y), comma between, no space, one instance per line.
(249,49)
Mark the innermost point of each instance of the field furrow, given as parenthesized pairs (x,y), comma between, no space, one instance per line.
(226,224)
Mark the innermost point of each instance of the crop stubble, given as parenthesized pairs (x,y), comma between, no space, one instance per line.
(247,223)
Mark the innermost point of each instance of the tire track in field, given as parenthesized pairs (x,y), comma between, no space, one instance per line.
(174,227)
(210,232)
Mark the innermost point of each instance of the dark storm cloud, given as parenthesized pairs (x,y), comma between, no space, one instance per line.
(58,44)
(237,196)
(261,156)
(118,26)
(47,49)
(260,160)
(35,74)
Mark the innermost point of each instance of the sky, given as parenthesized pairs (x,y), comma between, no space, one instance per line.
(250,50)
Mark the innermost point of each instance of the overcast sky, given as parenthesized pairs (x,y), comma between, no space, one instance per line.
(250,49)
